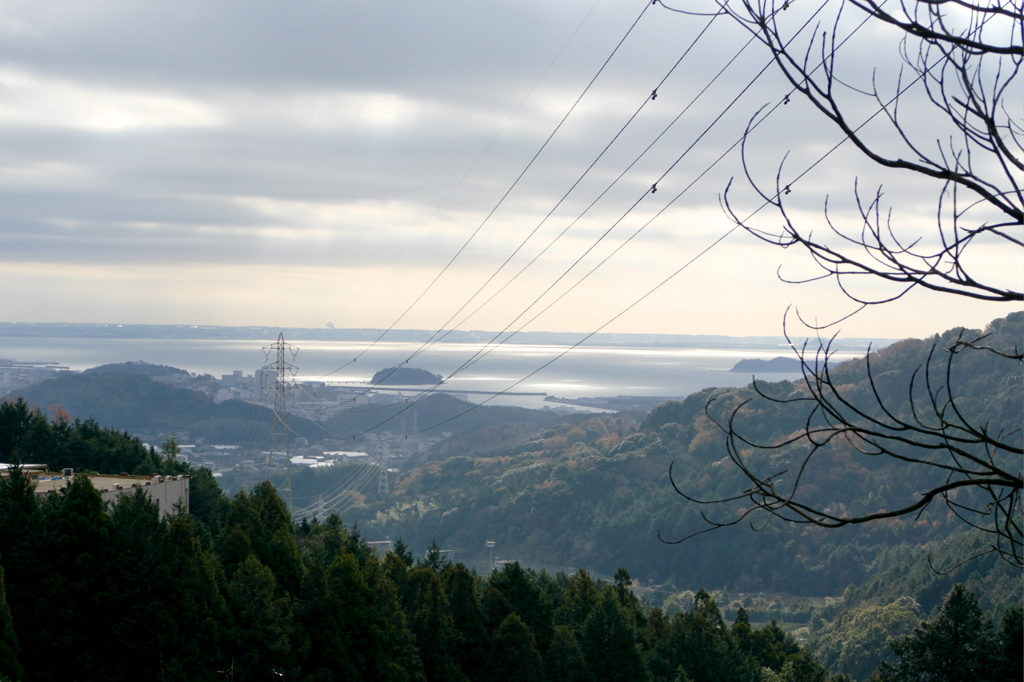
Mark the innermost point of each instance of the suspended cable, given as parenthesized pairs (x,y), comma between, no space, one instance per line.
(664,174)
(443,331)
(471,168)
(501,200)
(676,273)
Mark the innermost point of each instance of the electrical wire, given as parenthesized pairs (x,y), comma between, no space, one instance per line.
(674,274)
(701,253)
(443,330)
(651,291)
(471,168)
(507,192)
(490,346)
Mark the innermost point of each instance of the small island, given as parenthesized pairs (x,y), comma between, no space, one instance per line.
(405,376)
(779,365)
(140,367)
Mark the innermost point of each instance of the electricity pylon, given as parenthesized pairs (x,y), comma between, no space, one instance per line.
(281,373)
(382,465)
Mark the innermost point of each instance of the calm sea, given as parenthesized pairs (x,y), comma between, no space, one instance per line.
(553,370)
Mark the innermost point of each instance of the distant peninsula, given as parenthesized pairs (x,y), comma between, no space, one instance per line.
(405,376)
(781,365)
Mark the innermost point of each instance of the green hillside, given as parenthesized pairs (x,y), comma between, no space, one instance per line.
(595,491)
(135,403)
(439,413)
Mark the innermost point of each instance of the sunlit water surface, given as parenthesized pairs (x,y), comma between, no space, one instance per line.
(512,368)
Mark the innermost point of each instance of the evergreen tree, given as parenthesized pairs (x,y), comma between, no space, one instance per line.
(76,556)
(609,642)
(430,620)
(495,608)
(957,646)
(235,542)
(324,541)
(771,647)
(526,598)
(708,653)
(257,640)
(657,645)
(803,669)
(322,647)
(1011,645)
(402,552)
(190,615)
(26,436)
(580,597)
(9,664)
(21,554)
(627,599)
(435,560)
(404,658)
(363,628)
(514,654)
(565,661)
(206,501)
(742,632)
(472,642)
(136,536)
(272,537)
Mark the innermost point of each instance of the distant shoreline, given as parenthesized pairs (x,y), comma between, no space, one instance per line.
(297,334)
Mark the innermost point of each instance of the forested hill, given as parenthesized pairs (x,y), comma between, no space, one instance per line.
(595,491)
(133,402)
(125,397)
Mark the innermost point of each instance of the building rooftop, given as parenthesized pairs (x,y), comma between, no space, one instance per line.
(169,492)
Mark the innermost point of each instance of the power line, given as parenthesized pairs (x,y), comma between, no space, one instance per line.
(475,163)
(490,345)
(442,332)
(688,263)
(507,192)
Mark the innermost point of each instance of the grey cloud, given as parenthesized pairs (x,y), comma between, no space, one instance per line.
(236,44)
(283,148)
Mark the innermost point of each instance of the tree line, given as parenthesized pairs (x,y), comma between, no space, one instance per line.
(237,591)
(240,592)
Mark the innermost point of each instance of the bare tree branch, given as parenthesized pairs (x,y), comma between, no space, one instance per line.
(963,59)
(964,63)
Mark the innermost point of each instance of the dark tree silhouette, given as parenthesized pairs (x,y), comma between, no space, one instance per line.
(960,73)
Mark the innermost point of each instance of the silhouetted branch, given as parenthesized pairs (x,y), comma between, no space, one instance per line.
(964,65)
(928,434)
(963,59)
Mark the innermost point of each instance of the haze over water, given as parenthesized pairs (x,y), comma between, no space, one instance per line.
(586,371)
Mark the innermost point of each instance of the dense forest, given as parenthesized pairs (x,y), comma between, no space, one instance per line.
(235,590)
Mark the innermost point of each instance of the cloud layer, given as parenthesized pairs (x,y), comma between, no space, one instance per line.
(235,163)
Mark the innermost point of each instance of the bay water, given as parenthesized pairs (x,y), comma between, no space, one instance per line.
(517,369)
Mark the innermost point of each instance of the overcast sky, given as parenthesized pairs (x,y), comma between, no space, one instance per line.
(321,161)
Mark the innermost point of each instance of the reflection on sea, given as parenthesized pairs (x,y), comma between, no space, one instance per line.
(555,370)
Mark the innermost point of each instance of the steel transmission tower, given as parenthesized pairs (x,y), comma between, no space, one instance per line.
(382,465)
(278,378)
